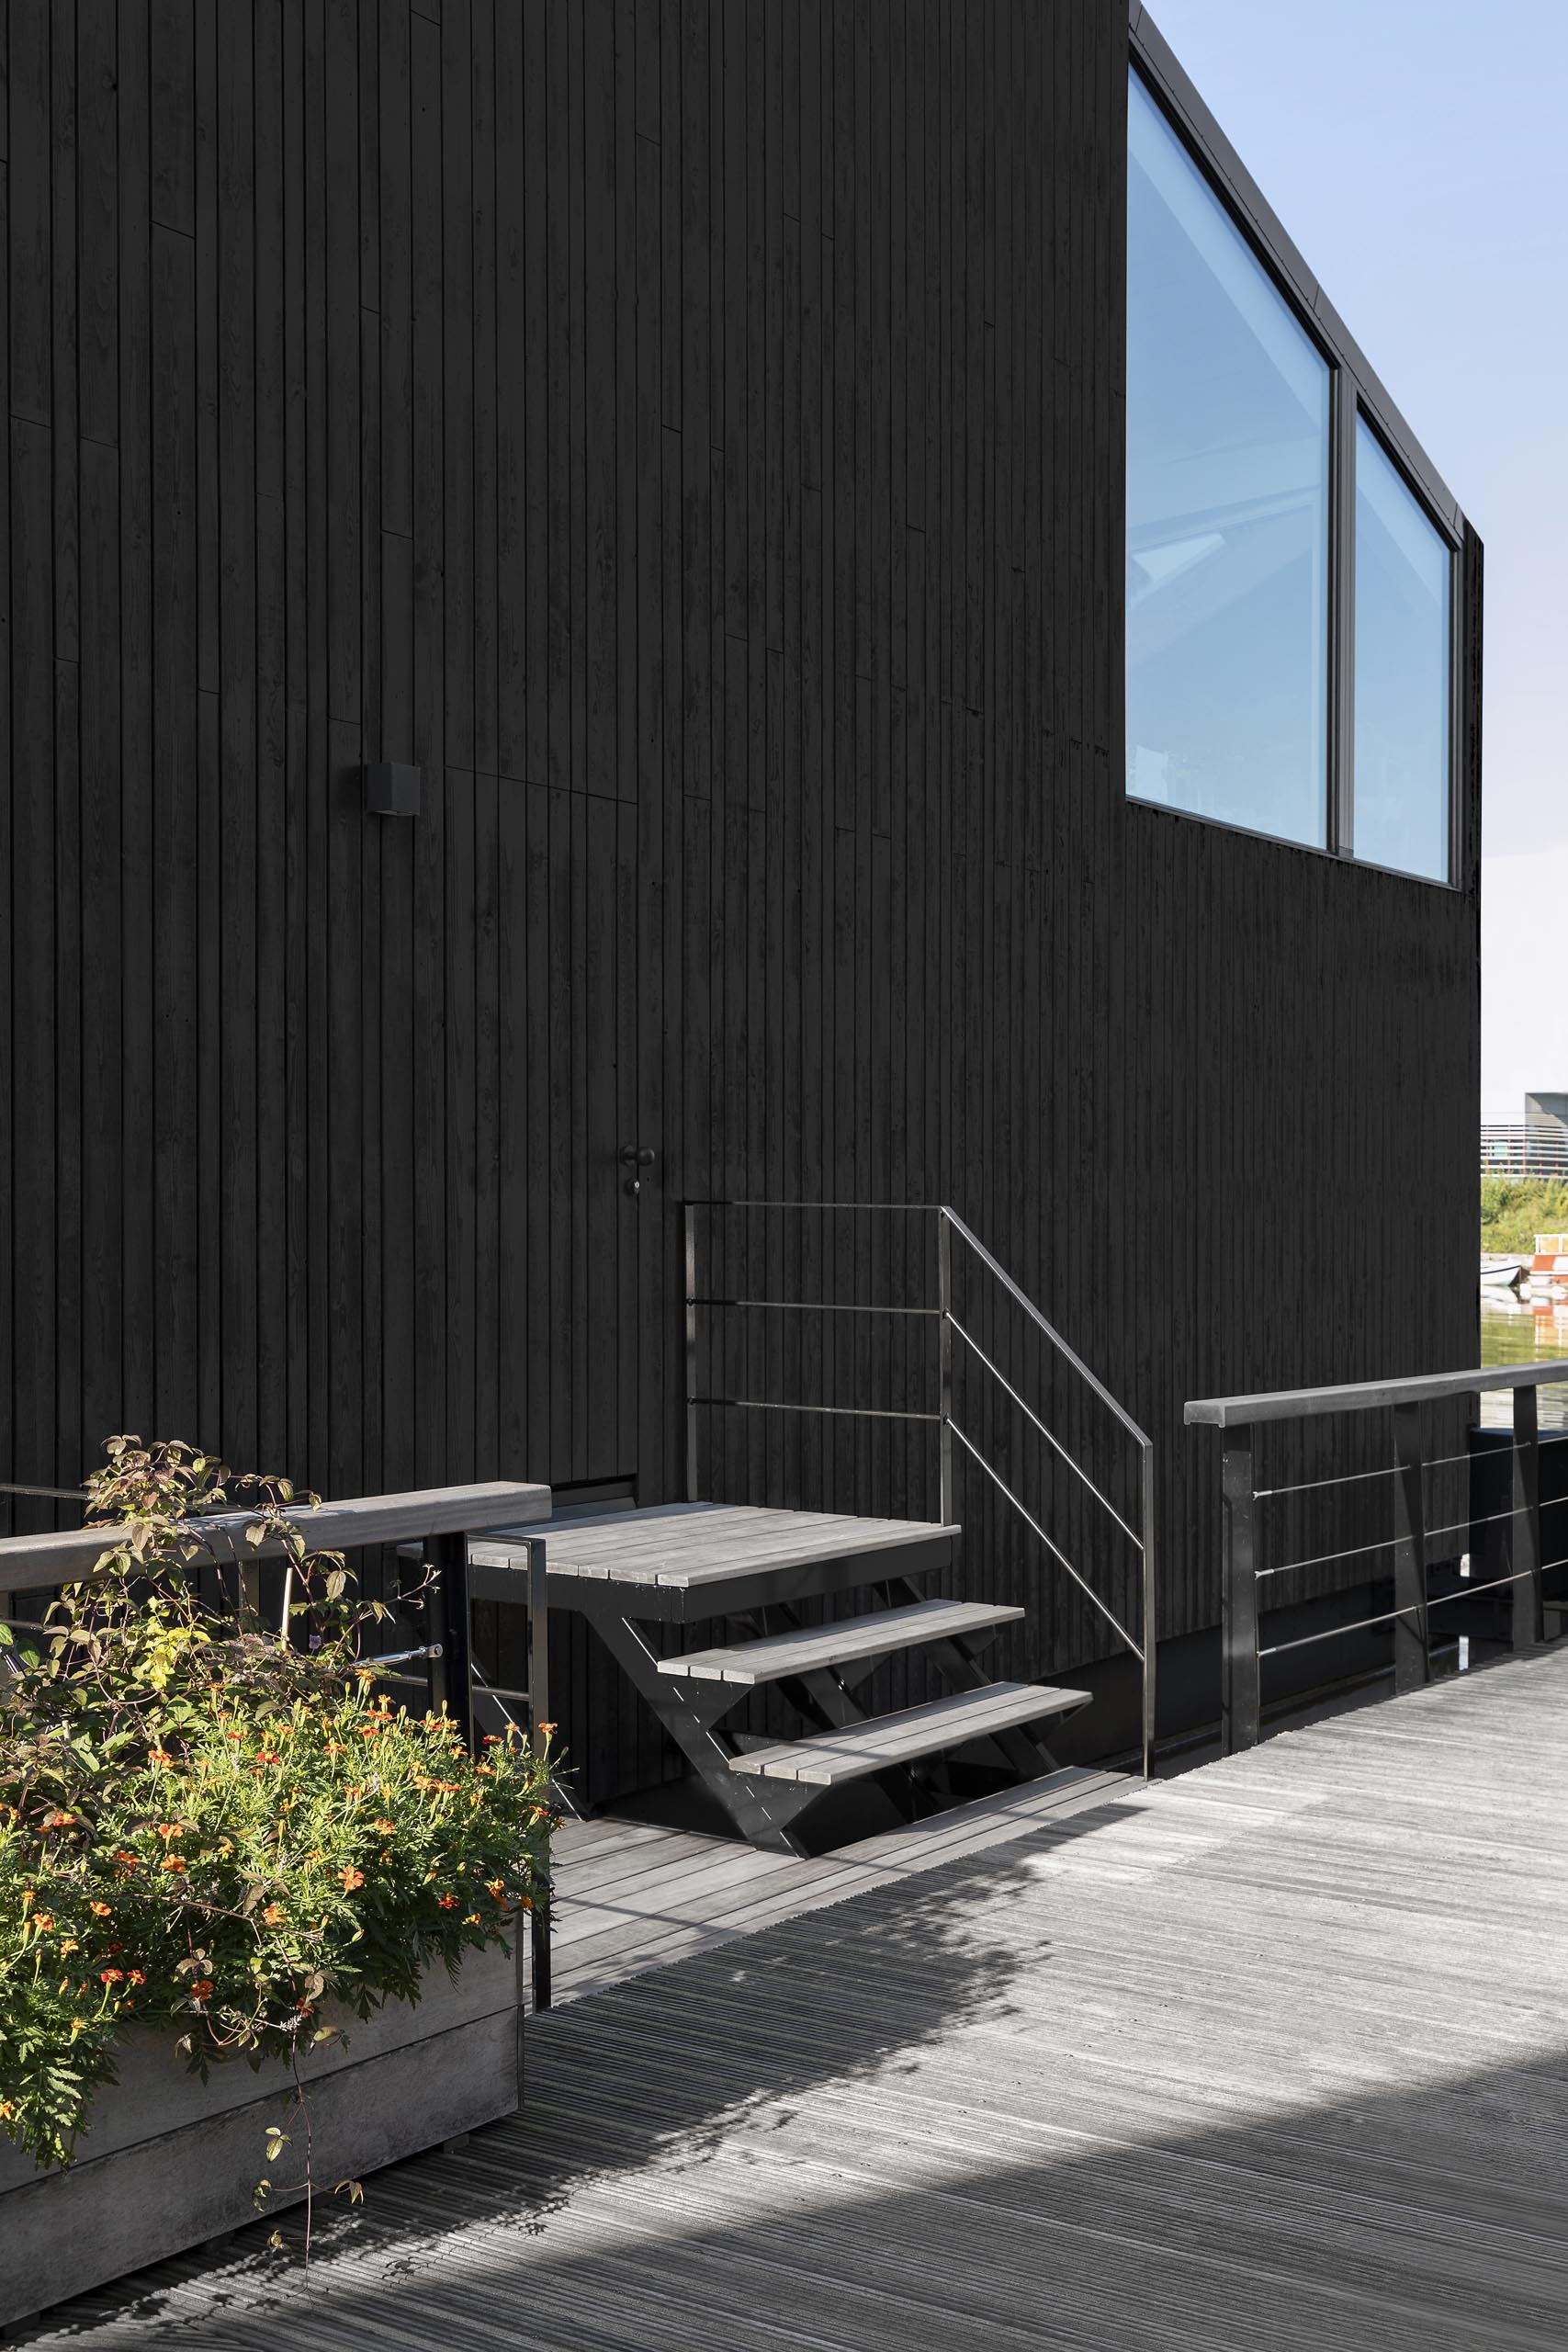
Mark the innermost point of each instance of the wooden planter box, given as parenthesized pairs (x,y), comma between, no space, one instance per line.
(169,2161)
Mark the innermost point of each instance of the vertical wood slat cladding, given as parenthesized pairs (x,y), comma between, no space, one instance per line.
(691,431)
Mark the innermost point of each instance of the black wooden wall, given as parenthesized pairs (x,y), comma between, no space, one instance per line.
(690,430)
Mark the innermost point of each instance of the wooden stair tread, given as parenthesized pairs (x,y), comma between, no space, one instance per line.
(850,1754)
(776,1655)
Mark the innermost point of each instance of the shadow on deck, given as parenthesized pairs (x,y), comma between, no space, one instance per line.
(1275,2055)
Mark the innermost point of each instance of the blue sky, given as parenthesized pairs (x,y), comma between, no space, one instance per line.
(1417,153)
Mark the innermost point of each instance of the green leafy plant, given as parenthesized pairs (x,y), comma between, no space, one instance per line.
(216,1828)
(1514,1209)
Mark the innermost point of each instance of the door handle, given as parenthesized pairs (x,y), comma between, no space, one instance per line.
(635,1156)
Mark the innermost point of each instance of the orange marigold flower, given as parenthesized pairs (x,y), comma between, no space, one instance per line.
(43,1921)
(201,1988)
(473,1921)
(268,1756)
(8,2108)
(351,1879)
(173,1863)
(100,1910)
(273,1913)
(158,1756)
(233,1735)
(111,1975)
(69,1943)
(386,1828)
(61,1821)
(167,1829)
(126,1860)
(496,1886)
(137,1975)
(448,1902)
(546,1728)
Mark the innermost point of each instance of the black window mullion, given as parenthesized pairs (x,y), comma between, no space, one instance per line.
(1342,616)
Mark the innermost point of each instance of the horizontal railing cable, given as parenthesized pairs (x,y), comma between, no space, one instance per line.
(836,1412)
(819,1307)
(1387,1543)
(1355,1477)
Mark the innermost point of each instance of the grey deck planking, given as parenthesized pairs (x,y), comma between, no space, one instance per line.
(1272,2055)
(847,1638)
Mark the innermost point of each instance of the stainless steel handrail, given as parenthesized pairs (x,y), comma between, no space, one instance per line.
(1054,1549)
(1022,1299)
(1031,1415)
(949,1224)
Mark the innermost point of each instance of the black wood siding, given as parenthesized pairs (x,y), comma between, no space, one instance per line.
(692,434)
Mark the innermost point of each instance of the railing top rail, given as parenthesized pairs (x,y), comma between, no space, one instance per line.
(35,1563)
(1366,1396)
(940,1209)
(903,1208)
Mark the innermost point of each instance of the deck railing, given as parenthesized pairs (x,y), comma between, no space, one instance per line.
(1405,1512)
(441,1520)
(975,1298)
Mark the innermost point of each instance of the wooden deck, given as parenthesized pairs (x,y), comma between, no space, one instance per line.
(1272,2055)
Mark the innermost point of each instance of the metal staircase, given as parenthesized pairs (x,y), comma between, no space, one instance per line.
(715,1607)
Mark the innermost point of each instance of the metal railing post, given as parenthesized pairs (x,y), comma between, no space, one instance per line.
(1412,1656)
(539,1714)
(1239,1674)
(944,1345)
(689,1218)
(1524,1528)
(1151,1636)
(456,1660)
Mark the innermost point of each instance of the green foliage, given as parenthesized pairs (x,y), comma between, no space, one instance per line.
(1514,1209)
(207,1828)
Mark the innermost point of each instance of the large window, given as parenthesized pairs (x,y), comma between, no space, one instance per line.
(1287,598)
(1227,514)
(1403,637)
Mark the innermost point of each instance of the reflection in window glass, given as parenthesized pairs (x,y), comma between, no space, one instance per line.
(1227,512)
(1402,673)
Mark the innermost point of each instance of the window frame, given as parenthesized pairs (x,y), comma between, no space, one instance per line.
(1355,393)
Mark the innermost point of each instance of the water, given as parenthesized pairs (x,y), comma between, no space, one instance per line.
(1524,1331)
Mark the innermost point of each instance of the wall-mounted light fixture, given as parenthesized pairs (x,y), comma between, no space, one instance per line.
(391,789)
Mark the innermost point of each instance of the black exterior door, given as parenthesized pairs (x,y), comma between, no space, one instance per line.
(594,1191)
